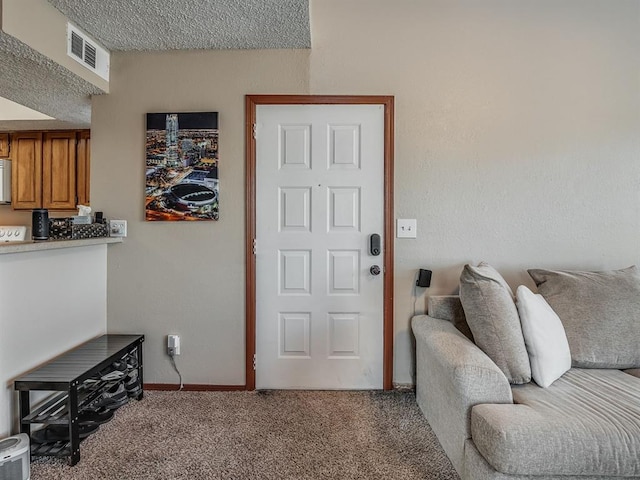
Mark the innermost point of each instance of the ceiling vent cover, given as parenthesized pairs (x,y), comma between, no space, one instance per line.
(84,50)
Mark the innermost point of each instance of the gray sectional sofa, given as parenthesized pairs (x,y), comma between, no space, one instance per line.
(585,425)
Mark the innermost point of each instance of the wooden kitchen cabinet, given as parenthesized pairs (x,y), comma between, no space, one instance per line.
(4,145)
(59,171)
(26,170)
(50,170)
(83,167)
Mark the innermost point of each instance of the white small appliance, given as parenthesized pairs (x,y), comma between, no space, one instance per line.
(15,458)
(10,233)
(5,181)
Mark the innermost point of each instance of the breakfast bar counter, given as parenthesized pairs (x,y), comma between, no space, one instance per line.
(34,246)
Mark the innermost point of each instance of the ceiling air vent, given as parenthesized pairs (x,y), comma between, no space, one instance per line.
(90,55)
(84,50)
(77,44)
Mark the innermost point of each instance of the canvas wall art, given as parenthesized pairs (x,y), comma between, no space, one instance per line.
(182,166)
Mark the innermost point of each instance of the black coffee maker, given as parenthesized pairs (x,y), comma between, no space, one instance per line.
(40,224)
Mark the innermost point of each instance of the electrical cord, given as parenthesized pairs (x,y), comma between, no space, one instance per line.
(175,367)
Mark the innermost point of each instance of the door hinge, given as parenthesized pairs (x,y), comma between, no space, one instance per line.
(254,361)
(255,130)
(255,246)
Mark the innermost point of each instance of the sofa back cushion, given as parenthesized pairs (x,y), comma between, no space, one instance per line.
(600,312)
(449,307)
(493,319)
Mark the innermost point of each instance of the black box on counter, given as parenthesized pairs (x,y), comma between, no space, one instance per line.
(64,229)
(60,228)
(92,230)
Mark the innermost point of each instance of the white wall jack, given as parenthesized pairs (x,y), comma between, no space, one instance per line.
(173,345)
(117,228)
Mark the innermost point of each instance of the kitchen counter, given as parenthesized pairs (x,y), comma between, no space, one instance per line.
(35,246)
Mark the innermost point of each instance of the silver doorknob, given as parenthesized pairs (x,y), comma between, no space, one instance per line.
(375,270)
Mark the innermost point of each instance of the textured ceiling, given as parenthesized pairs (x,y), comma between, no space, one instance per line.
(31,79)
(191,24)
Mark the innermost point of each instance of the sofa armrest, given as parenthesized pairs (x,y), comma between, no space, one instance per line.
(453,375)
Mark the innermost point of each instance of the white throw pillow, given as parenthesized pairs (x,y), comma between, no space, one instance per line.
(544,337)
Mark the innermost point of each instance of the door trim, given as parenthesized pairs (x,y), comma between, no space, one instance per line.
(251,102)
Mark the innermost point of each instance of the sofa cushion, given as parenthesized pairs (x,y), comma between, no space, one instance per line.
(586,423)
(544,337)
(600,312)
(493,319)
(449,307)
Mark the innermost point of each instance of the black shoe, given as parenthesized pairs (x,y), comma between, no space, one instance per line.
(113,398)
(60,433)
(95,417)
(132,384)
(131,360)
(116,371)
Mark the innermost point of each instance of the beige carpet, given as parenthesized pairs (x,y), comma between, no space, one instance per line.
(260,435)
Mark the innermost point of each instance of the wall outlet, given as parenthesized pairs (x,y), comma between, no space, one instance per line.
(117,228)
(173,345)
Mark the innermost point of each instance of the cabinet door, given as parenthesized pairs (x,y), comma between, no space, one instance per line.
(4,145)
(26,170)
(59,170)
(83,167)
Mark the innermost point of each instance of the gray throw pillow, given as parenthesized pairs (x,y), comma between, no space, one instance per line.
(600,312)
(493,319)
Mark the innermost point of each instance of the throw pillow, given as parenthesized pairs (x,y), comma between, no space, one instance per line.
(493,319)
(600,312)
(544,337)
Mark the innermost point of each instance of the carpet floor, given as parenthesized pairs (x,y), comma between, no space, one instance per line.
(260,435)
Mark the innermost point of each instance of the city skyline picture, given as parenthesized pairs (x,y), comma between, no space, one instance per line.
(182,167)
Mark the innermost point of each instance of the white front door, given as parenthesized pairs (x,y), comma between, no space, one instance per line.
(319,198)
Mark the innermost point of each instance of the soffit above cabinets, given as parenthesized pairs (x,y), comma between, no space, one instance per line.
(39,83)
(36,81)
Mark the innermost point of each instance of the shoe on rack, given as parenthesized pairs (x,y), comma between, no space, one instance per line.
(131,360)
(132,384)
(116,371)
(112,398)
(95,417)
(60,433)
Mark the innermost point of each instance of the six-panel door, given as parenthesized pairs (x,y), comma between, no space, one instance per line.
(319,197)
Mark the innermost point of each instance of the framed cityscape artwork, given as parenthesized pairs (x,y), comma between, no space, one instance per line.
(182,166)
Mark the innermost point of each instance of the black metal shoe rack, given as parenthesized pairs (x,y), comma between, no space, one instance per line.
(67,374)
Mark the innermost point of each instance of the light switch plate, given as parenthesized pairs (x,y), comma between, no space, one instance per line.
(117,228)
(407,228)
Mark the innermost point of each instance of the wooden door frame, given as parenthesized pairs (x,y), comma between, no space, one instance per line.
(251,102)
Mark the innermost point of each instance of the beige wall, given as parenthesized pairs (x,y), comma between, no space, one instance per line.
(517,131)
(183,278)
(517,142)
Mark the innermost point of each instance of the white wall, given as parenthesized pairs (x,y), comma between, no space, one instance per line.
(50,301)
(517,142)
